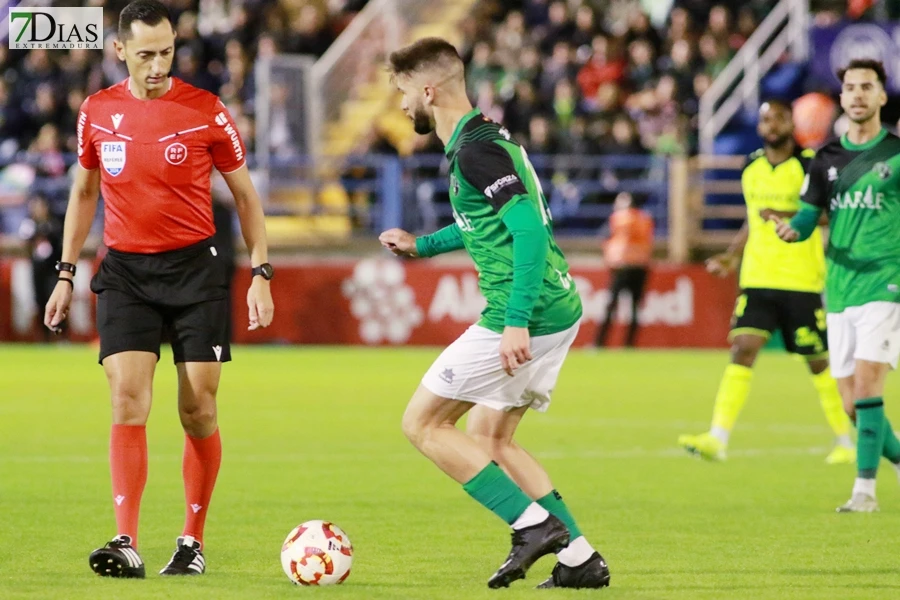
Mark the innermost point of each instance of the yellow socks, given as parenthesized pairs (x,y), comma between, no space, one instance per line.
(733,392)
(832,405)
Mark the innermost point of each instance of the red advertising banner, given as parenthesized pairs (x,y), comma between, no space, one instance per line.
(385,301)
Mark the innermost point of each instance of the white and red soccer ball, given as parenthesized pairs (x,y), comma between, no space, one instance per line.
(317,553)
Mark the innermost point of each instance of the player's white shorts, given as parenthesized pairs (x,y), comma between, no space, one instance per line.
(868,332)
(470,370)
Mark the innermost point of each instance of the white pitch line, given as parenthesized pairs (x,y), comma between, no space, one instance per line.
(679,453)
(682,425)
(630,453)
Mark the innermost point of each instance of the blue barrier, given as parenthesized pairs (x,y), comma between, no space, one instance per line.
(411,192)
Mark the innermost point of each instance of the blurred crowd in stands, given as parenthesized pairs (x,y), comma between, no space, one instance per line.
(565,76)
(601,78)
(218,42)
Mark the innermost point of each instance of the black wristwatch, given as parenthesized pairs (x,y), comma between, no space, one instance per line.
(265,270)
(64,266)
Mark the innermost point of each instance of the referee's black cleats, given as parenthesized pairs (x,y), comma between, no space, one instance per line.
(117,558)
(528,545)
(187,560)
(592,573)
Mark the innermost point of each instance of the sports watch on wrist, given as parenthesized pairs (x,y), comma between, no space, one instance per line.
(64,266)
(265,270)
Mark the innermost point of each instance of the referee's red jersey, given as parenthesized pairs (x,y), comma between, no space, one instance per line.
(155,158)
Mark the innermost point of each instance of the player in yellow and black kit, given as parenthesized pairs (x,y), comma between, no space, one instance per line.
(781,288)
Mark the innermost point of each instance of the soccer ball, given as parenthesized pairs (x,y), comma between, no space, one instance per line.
(317,553)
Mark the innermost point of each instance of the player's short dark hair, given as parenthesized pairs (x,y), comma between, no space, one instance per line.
(422,54)
(149,12)
(865,63)
(778,103)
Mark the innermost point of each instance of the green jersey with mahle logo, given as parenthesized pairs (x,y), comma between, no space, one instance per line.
(489,174)
(859,186)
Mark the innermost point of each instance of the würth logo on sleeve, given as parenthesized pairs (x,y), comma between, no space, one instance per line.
(498,185)
(222,120)
(82,118)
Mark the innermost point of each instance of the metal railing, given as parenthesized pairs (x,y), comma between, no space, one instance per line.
(381,191)
(376,192)
(356,56)
(785,28)
(287,123)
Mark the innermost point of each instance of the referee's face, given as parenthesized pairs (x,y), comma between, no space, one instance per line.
(776,126)
(148,54)
(413,104)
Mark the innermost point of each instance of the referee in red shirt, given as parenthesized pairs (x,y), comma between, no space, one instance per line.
(149,144)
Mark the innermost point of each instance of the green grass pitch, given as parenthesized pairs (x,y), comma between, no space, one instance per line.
(314,433)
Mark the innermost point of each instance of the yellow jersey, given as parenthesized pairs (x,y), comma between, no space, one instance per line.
(768,262)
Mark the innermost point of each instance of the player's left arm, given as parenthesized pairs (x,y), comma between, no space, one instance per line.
(488,166)
(768,213)
(228,152)
(813,201)
(806,157)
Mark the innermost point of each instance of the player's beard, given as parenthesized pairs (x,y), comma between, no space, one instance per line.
(779,142)
(422,121)
(866,117)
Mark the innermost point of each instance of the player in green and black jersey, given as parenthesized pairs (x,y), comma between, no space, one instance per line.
(509,361)
(856,179)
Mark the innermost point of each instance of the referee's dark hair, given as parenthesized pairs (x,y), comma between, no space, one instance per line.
(149,12)
(425,54)
(865,63)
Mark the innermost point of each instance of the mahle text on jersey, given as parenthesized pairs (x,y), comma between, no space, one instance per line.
(867,199)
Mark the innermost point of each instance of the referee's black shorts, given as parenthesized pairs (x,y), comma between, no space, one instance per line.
(182,293)
(800,316)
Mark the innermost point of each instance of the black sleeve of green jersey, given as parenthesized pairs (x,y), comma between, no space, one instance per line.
(488,167)
(815,185)
(806,156)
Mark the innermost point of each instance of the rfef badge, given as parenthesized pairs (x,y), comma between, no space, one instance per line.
(112,156)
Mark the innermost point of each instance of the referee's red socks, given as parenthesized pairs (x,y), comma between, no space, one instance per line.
(202,457)
(128,465)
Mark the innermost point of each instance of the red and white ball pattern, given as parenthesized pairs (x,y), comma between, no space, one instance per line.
(317,553)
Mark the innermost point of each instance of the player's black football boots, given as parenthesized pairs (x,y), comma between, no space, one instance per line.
(117,558)
(528,545)
(592,573)
(187,560)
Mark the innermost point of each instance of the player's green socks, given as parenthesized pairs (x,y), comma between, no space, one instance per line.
(579,550)
(870,439)
(554,504)
(891,448)
(832,405)
(494,490)
(733,392)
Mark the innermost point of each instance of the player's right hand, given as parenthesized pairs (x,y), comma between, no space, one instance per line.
(722,264)
(58,306)
(400,242)
(784,230)
(515,348)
